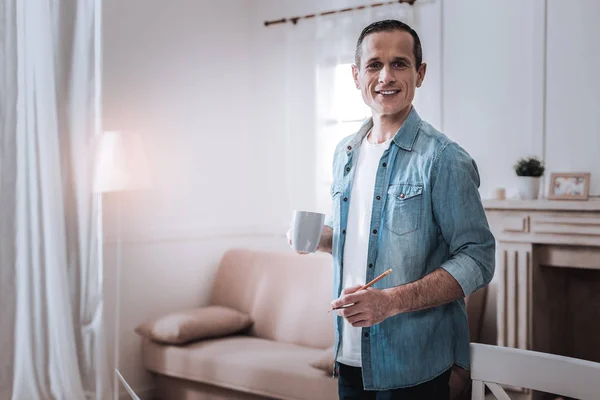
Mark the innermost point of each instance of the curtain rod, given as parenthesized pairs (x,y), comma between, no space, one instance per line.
(294,20)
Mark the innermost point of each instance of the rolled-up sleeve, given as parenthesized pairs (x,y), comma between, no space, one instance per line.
(459,213)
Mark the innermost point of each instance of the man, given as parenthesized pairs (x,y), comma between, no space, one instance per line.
(405,197)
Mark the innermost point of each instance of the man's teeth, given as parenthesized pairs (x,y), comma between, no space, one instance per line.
(388,91)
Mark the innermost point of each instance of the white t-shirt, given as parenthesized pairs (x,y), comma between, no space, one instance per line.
(357,240)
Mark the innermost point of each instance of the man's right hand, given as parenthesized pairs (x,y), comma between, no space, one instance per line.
(324,244)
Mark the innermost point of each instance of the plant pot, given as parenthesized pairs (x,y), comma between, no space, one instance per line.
(528,187)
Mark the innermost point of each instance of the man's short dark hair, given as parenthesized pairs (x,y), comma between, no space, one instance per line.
(387,26)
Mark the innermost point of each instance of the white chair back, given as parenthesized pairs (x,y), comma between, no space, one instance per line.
(493,366)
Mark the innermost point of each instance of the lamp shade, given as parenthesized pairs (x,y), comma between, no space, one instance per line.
(121,163)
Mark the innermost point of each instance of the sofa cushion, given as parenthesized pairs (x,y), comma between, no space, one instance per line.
(324,361)
(247,364)
(286,294)
(195,324)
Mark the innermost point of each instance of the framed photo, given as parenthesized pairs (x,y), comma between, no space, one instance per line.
(569,186)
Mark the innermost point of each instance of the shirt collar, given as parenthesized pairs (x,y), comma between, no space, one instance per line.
(404,138)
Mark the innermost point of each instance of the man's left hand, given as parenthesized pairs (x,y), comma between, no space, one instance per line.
(364,308)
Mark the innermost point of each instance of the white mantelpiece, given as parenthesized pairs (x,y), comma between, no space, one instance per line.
(548,293)
(545,221)
(542,205)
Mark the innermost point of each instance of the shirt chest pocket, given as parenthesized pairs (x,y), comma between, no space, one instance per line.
(403,208)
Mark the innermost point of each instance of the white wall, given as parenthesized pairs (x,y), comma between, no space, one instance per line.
(517,82)
(180,72)
(487,70)
(204,83)
(572,118)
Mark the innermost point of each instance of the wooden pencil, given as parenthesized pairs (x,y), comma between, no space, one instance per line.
(368,285)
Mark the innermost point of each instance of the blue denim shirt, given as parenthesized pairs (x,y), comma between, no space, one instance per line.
(427,214)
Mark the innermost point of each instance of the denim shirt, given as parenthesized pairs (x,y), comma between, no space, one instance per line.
(427,214)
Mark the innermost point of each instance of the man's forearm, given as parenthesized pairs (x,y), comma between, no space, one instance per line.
(436,288)
(326,242)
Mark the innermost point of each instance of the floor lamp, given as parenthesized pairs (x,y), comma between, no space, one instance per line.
(121,165)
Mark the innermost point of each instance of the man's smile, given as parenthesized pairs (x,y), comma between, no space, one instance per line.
(386,93)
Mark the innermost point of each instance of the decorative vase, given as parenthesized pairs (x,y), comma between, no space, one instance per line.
(529,187)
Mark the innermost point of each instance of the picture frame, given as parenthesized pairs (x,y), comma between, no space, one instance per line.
(569,186)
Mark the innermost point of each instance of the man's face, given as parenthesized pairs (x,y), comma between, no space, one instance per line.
(387,74)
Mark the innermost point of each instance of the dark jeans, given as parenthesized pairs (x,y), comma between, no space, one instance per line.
(350,387)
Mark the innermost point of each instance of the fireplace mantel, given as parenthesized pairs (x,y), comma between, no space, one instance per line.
(543,205)
(545,221)
(548,291)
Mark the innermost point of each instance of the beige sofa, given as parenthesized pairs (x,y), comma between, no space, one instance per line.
(287,297)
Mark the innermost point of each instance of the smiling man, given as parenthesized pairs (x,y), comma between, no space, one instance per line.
(405,197)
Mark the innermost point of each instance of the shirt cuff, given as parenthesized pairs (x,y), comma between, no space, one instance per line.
(466,272)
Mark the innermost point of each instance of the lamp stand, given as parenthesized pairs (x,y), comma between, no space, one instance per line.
(117,297)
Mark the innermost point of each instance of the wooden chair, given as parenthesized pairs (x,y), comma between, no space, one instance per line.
(493,366)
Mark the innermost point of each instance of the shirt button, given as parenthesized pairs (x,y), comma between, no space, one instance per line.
(366,334)
(375,231)
(401,195)
(345,199)
(378,197)
(384,165)
(349,148)
(344,231)
(370,265)
(347,169)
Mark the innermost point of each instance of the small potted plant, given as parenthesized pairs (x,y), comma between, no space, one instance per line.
(529,172)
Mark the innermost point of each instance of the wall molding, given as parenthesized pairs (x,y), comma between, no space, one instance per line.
(538,79)
(538,85)
(203,234)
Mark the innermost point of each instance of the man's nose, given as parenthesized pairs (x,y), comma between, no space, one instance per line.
(386,75)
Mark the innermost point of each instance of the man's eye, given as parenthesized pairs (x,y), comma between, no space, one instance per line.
(400,64)
(373,65)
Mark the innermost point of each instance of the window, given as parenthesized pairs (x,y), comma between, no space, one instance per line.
(342,112)
(347,114)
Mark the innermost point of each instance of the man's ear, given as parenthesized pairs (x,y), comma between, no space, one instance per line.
(421,74)
(355,72)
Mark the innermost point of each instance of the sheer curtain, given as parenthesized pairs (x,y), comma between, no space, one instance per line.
(8,176)
(50,116)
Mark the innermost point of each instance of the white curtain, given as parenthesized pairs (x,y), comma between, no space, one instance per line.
(8,175)
(49,121)
(323,105)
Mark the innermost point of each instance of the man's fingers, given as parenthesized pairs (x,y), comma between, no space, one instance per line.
(359,319)
(350,312)
(345,300)
(351,289)
(347,297)
(361,324)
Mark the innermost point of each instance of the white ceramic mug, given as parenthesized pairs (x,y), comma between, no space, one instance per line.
(305,230)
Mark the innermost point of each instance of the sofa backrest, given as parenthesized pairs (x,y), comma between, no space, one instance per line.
(287,295)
